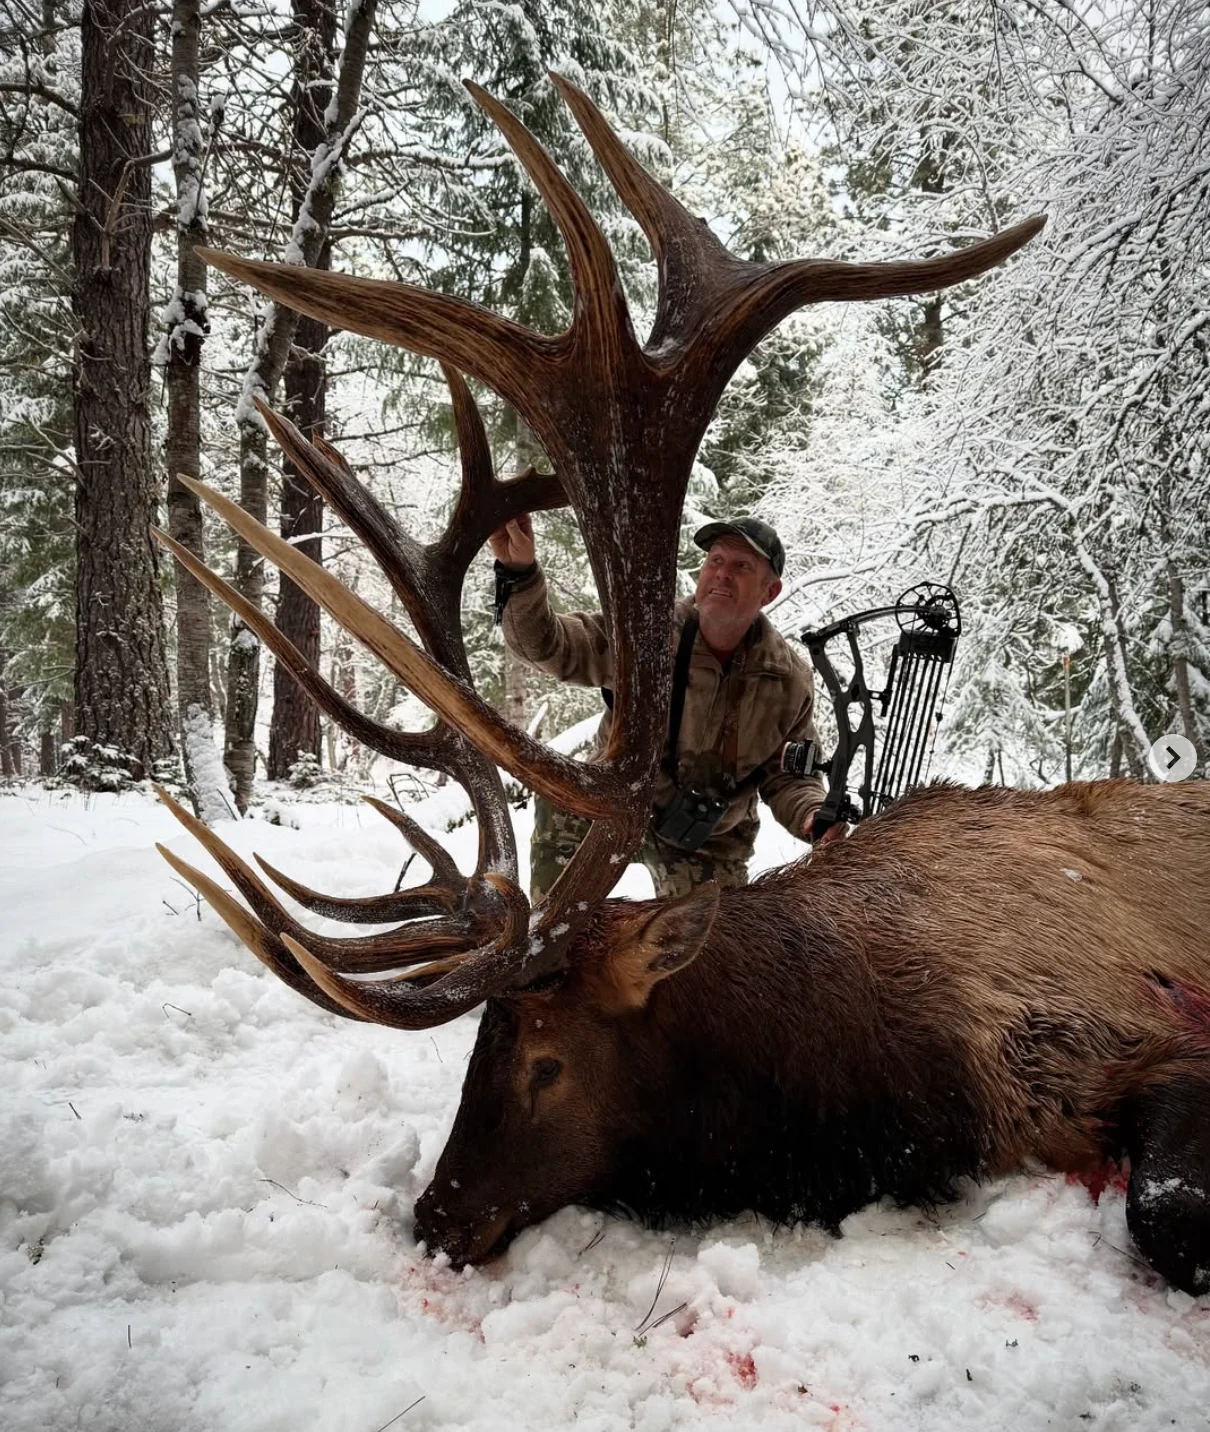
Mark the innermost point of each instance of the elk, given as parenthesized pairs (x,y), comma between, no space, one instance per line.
(974,978)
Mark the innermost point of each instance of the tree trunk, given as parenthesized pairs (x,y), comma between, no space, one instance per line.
(243,655)
(6,758)
(1134,751)
(295,729)
(187,326)
(344,679)
(1180,656)
(308,240)
(515,689)
(932,178)
(47,759)
(121,675)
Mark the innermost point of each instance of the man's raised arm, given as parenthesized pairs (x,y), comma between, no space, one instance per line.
(572,647)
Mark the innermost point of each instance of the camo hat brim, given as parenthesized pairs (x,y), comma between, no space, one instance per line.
(757,534)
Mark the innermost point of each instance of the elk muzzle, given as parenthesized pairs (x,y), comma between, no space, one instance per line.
(466,1233)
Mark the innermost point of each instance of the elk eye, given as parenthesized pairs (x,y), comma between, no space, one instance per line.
(544,1072)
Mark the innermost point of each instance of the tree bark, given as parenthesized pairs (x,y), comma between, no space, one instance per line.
(1134,738)
(121,674)
(514,690)
(307,241)
(6,759)
(295,728)
(187,325)
(515,674)
(1180,656)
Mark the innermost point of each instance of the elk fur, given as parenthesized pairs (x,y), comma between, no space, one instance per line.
(973,979)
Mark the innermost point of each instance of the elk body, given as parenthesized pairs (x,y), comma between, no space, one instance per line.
(975,977)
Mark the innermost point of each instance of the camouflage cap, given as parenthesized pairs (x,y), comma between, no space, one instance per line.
(757,534)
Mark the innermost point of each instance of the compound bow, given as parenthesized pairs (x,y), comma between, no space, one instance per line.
(916,681)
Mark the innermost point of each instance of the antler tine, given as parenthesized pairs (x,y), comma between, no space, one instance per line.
(770,292)
(507,356)
(440,749)
(364,909)
(432,749)
(266,947)
(461,983)
(709,296)
(683,245)
(370,953)
(484,502)
(428,580)
(396,552)
(445,872)
(566,782)
(598,293)
(474,450)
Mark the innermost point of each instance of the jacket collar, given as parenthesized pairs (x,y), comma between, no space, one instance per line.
(766,652)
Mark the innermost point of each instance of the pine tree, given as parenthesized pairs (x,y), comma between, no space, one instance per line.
(121,672)
(39,108)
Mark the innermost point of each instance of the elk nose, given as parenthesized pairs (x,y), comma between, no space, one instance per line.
(430,1220)
(463,1237)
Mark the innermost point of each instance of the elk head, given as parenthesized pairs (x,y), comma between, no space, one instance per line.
(621,422)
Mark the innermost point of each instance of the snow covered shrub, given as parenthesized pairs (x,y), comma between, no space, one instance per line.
(305,773)
(169,772)
(91,767)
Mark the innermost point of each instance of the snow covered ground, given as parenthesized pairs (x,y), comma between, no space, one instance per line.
(206,1188)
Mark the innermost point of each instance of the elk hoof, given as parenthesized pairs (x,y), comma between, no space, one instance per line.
(1168,1201)
(1170,1222)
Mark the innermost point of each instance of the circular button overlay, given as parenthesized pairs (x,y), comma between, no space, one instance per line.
(1172,758)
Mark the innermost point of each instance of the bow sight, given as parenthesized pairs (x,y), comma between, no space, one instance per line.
(916,680)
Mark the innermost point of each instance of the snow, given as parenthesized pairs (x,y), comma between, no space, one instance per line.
(207,775)
(206,1191)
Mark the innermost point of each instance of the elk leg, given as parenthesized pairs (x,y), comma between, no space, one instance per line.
(1168,1200)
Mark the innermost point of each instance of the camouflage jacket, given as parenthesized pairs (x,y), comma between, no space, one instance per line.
(771,686)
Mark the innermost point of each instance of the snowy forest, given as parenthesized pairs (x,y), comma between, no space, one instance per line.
(212,1189)
(1037,440)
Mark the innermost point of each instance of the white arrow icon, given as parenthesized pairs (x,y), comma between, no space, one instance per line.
(1172,758)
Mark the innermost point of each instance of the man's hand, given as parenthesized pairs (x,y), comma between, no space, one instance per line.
(513,544)
(833,832)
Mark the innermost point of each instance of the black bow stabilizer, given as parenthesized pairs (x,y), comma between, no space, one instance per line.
(929,626)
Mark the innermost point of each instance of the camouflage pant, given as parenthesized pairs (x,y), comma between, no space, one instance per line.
(557,836)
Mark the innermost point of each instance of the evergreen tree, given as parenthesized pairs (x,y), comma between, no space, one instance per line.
(39,107)
(121,672)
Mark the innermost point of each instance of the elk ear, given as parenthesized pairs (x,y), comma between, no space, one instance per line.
(665,943)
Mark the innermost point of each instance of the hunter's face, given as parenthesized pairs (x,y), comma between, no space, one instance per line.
(735,582)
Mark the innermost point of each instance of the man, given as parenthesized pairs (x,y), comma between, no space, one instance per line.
(746,693)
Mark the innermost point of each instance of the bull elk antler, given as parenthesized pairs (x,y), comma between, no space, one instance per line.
(621,422)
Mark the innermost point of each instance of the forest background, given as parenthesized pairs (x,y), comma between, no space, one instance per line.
(1038,440)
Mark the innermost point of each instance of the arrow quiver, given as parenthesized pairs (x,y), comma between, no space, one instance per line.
(910,704)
